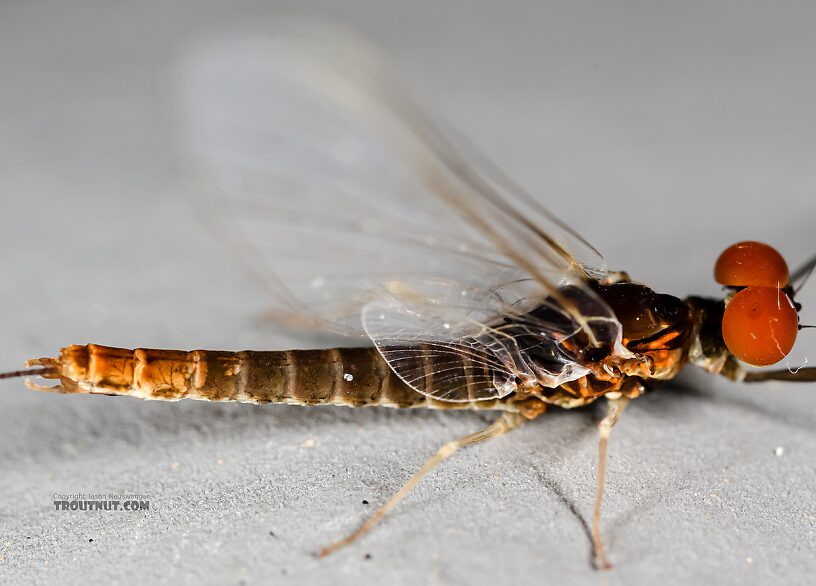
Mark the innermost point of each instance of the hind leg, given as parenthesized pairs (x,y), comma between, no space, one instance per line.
(503,424)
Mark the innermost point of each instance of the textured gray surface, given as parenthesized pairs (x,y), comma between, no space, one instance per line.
(662,133)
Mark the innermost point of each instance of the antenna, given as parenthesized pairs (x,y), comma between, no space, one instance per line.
(802,273)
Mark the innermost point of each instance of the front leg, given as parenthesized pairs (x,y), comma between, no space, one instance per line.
(735,371)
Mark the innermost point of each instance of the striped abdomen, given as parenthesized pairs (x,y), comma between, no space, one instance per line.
(345,376)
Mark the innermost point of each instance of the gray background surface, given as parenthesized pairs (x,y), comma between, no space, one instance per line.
(661,131)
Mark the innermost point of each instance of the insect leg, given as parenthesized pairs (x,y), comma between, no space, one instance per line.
(736,372)
(616,407)
(503,424)
(802,375)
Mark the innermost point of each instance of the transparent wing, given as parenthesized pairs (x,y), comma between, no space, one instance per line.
(347,200)
(460,344)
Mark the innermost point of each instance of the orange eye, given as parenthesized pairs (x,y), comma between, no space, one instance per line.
(760,325)
(751,264)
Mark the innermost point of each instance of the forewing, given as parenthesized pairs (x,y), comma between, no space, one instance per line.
(341,194)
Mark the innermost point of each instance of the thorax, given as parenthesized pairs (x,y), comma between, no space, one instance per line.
(658,330)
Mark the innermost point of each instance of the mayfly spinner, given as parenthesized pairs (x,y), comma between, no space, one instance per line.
(365,217)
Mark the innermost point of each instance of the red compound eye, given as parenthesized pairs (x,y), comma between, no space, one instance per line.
(751,264)
(760,325)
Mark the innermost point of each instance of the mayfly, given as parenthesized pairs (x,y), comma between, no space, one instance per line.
(365,217)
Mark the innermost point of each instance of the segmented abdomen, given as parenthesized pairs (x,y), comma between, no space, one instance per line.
(344,376)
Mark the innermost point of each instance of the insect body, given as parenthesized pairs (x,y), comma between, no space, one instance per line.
(469,293)
(658,332)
